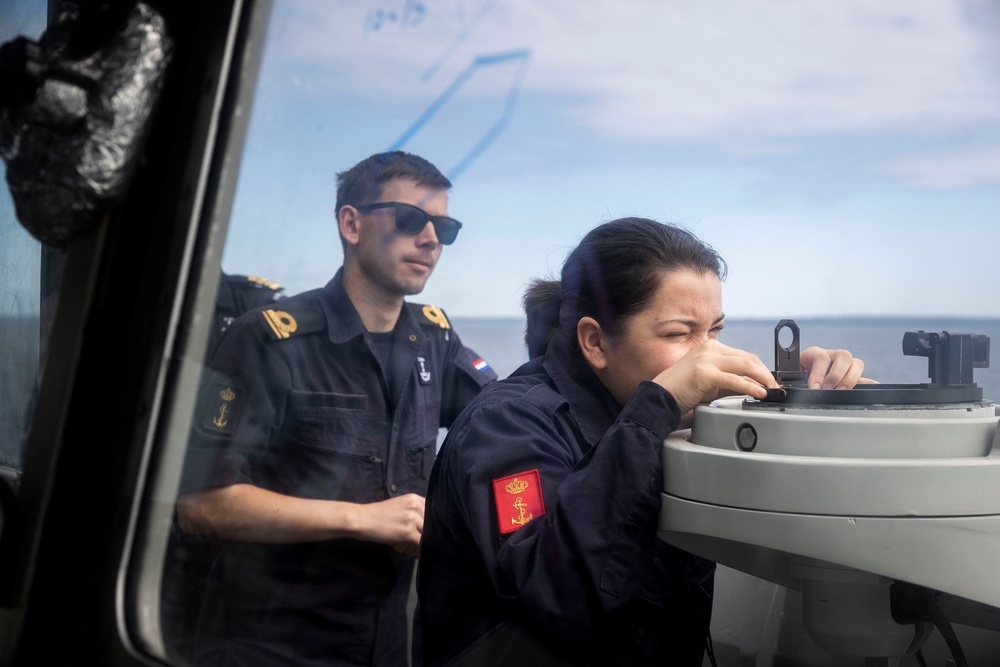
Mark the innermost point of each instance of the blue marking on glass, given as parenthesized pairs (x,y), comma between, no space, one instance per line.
(430,71)
(524,55)
(499,126)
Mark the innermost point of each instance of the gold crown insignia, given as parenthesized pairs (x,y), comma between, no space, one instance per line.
(227,394)
(516,486)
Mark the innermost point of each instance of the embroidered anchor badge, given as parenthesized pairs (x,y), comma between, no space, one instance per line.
(224,408)
(527,504)
(226,395)
(515,487)
(221,421)
(521,507)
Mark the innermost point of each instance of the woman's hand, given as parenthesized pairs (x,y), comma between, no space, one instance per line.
(832,369)
(711,370)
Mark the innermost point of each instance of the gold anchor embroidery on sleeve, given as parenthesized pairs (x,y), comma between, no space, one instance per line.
(283,324)
(226,395)
(521,508)
(221,421)
(518,499)
(434,314)
(518,486)
(222,409)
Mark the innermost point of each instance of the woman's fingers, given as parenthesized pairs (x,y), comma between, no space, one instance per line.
(831,369)
(713,368)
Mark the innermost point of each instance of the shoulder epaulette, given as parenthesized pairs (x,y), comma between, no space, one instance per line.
(281,324)
(430,315)
(263,282)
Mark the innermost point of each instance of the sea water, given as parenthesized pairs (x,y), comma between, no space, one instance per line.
(878,341)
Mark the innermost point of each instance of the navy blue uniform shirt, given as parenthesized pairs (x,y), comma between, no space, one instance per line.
(299,401)
(188,557)
(576,576)
(239,294)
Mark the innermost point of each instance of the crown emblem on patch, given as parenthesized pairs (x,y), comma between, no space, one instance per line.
(227,394)
(516,486)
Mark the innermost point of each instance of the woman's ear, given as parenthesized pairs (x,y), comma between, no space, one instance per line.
(592,342)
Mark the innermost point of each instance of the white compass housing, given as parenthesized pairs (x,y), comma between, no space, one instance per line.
(839,502)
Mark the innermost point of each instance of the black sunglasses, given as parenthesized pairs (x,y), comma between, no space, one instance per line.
(412,220)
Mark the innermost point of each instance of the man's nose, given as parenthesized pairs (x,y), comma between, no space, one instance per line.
(428,235)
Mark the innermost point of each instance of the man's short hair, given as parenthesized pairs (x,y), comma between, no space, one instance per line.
(362,183)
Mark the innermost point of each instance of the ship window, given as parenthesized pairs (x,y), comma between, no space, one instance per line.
(822,149)
(28,290)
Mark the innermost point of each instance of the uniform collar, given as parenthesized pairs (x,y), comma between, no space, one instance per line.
(590,403)
(343,321)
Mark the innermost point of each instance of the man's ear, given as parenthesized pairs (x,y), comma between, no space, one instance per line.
(592,342)
(348,222)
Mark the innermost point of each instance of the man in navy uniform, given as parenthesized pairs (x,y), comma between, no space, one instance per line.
(189,557)
(239,294)
(315,436)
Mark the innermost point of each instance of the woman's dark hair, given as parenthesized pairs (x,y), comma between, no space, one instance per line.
(610,276)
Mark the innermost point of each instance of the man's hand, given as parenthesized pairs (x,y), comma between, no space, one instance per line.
(397,522)
(251,514)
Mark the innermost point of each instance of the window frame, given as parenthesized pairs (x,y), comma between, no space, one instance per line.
(106,442)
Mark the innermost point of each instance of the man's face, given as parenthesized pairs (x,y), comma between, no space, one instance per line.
(390,260)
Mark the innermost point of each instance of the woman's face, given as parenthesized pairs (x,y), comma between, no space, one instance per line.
(685,311)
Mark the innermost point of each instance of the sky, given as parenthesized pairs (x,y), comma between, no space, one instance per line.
(843,157)
(20,253)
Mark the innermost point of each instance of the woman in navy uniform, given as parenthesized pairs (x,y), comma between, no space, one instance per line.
(539,543)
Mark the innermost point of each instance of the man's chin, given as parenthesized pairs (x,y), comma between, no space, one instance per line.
(411,287)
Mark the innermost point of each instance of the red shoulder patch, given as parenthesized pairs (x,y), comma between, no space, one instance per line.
(519,500)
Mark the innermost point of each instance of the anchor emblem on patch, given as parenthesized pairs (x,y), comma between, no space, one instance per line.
(222,407)
(422,372)
(518,500)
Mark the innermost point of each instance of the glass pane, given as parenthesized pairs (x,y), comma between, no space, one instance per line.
(842,157)
(20,284)
(845,144)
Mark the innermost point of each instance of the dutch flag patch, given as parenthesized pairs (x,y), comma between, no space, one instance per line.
(480,365)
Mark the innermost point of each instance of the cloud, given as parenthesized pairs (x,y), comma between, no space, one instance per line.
(688,70)
(971,168)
